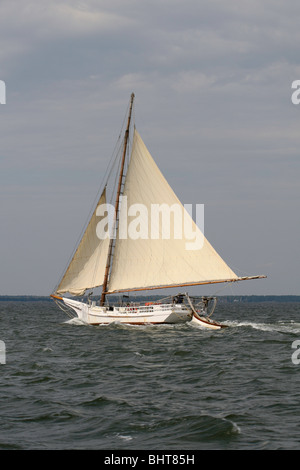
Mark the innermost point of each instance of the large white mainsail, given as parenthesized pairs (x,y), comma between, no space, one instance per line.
(147,257)
(140,263)
(86,269)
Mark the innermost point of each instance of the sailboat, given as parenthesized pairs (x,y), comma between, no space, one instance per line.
(139,256)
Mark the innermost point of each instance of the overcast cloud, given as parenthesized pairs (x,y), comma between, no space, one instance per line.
(212,80)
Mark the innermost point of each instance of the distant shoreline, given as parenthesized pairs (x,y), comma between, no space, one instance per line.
(221,298)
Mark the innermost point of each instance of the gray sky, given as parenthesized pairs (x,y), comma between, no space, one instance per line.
(212,80)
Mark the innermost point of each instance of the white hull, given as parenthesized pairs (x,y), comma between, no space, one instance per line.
(133,315)
(206,323)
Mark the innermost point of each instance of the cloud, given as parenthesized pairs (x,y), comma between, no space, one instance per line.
(134,81)
(213,104)
(42,19)
(29,26)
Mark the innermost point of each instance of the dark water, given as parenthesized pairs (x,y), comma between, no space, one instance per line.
(69,386)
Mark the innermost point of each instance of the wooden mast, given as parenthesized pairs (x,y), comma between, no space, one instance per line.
(109,256)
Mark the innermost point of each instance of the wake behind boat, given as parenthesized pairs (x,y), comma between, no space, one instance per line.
(125,254)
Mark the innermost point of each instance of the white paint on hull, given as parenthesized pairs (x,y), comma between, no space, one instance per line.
(135,315)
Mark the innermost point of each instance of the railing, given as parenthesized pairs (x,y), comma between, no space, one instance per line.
(148,308)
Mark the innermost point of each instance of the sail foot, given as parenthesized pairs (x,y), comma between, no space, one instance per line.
(218,281)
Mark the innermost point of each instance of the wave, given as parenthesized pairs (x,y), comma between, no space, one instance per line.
(189,430)
(76,321)
(280,326)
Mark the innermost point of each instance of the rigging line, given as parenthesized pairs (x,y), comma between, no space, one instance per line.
(115,227)
(241,273)
(110,201)
(114,159)
(116,214)
(115,155)
(120,142)
(226,286)
(126,166)
(108,173)
(76,245)
(67,310)
(116,152)
(113,191)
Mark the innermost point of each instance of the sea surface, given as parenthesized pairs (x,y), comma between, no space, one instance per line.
(66,385)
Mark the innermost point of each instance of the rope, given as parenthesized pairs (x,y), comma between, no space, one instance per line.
(104,182)
(66,309)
